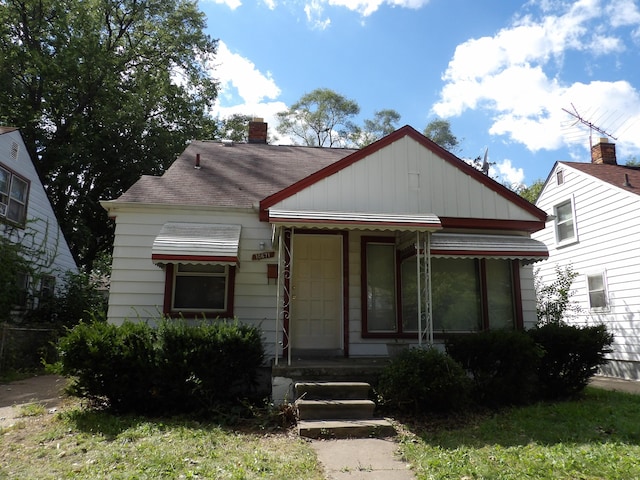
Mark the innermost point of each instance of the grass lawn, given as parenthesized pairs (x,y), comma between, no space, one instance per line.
(597,437)
(83,444)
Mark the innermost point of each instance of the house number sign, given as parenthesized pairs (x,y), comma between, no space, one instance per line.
(263,255)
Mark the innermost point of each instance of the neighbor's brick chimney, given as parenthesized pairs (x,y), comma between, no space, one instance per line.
(257,131)
(604,152)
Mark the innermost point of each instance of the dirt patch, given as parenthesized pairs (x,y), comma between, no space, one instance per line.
(46,390)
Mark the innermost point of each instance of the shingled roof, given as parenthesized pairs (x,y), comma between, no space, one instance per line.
(621,176)
(237,175)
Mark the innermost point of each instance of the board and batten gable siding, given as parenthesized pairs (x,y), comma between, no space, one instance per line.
(608,230)
(405,177)
(42,225)
(137,284)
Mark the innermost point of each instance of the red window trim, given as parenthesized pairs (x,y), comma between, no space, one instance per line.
(168,295)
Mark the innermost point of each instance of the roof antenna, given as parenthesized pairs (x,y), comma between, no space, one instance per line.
(589,124)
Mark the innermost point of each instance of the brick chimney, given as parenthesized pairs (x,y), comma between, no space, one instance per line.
(604,152)
(257,131)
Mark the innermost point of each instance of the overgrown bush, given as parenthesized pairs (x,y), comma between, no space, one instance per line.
(502,364)
(572,355)
(172,368)
(424,380)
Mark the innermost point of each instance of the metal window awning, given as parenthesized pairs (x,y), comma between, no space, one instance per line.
(196,243)
(488,246)
(425,222)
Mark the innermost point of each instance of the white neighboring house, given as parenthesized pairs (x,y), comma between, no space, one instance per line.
(26,217)
(329,251)
(595,229)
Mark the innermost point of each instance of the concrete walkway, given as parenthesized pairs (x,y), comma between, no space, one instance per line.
(361,459)
(616,384)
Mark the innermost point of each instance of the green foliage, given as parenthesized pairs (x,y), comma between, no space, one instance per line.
(235,128)
(532,192)
(553,300)
(439,131)
(174,368)
(319,118)
(503,365)
(77,299)
(13,264)
(103,91)
(424,380)
(572,355)
(383,123)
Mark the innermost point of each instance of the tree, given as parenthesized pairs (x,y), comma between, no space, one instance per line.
(532,192)
(103,92)
(553,300)
(235,128)
(439,131)
(383,123)
(320,118)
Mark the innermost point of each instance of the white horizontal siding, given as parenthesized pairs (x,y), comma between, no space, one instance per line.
(137,285)
(609,241)
(42,231)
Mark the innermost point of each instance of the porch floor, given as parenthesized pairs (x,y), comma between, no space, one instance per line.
(338,369)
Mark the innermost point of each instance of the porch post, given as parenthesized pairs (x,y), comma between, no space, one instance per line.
(425,310)
(277,343)
(288,274)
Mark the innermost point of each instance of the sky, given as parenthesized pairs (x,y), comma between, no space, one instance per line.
(504,73)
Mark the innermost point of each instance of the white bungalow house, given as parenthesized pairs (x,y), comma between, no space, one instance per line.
(594,228)
(329,251)
(27,218)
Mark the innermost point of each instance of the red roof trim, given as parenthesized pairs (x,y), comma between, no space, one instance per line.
(383,142)
(159,257)
(492,224)
(310,221)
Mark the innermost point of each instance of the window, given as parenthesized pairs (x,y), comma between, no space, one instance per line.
(199,289)
(47,287)
(565,222)
(560,177)
(597,291)
(468,294)
(14,191)
(456,295)
(381,287)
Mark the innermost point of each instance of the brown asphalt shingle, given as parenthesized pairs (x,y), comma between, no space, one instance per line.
(613,174)
(231,176)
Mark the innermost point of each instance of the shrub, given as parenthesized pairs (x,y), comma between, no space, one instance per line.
(502,364)
(572,355)
(424,380)
(174,368)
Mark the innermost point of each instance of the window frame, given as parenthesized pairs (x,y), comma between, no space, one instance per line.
(7,199)
(400,257)
(171,272)
(574,224)
(560,177)
(605,293)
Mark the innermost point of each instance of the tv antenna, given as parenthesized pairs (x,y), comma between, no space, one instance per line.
(592,126)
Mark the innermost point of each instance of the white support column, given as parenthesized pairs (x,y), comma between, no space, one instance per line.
(279,327)
(425,311)
(419,287)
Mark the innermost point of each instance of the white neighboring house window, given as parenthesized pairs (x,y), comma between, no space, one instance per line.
(597,287)
(14,192)
(566,231)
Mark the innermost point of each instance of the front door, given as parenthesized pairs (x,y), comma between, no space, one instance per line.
(316,315)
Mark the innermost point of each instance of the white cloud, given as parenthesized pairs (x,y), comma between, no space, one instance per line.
(232,4)
(315,8)
(517,75)
(244,89)
(507,173)
(314,12)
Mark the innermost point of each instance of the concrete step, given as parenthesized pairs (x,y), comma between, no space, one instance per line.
(334,409)
(373,427)
(332,390)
